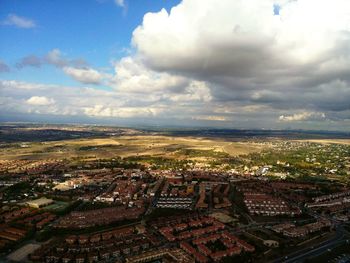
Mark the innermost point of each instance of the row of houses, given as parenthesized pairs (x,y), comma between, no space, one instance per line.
(291,230)
(268,205)
(192,229)
(175,202)
(93,248)
(94,238)
(331,196)
(97,217)
(202,253)
(12,233)
(175,254)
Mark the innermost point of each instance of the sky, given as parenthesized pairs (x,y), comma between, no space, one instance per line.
(264,64)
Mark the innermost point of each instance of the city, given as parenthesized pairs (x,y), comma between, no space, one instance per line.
(269,205)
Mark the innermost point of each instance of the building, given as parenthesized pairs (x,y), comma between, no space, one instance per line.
(171,255)
(41,202)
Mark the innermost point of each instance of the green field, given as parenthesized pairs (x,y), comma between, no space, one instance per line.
(57,206)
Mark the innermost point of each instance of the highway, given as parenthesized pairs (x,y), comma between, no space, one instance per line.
(301,255)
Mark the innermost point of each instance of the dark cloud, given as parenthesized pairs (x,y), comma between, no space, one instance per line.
(4,67)
(30,61)
(53,57)
(289,61)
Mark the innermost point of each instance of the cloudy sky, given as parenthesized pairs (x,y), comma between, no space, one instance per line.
(230,63)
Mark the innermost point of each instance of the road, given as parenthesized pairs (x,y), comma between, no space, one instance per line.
(301,255)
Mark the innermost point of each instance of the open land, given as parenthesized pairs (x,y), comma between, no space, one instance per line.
(126,146)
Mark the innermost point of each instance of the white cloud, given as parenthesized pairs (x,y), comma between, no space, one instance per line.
(303,116)
(133,77)
(13,85)
(84,75)
(54,57)
(193,92)
(126,112)
(77,69)
(206,37)
(297,58)
(210,118)
(40,101)
(162,108)
(120,3)
(18,21)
